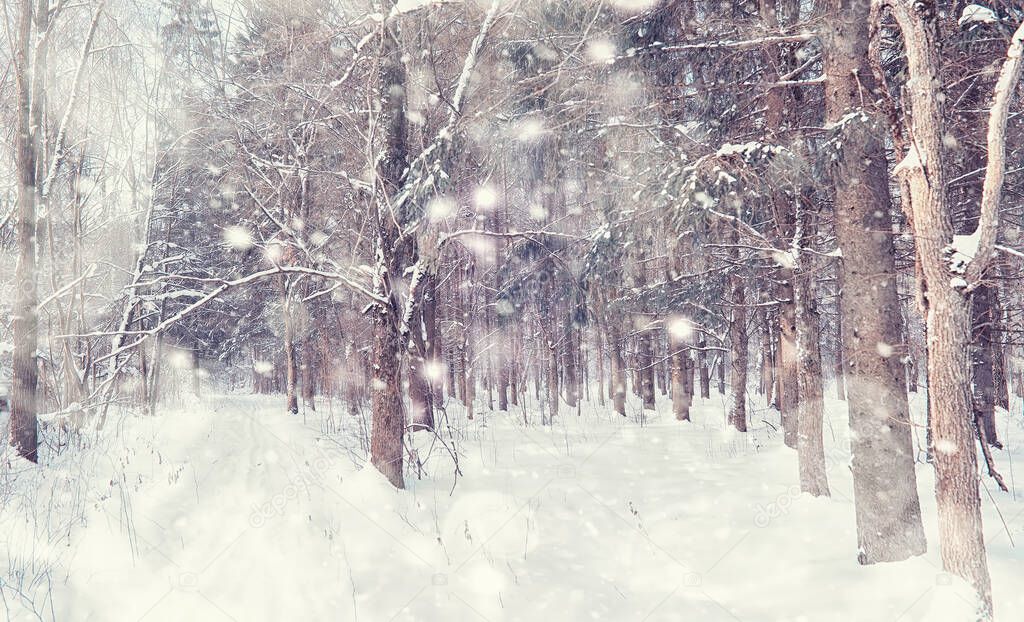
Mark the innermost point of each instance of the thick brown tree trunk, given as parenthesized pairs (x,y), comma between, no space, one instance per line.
(948,284)
(787,375)
(779,103)
(386,438)
(961,533)
(810,444)
(884,481)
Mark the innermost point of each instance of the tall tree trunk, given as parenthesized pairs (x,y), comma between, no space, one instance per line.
(618,365)
(570,356)
(469,364)
(769,378)
(598,333)
(738,344)
(961,533)
(549,351)
(468,349)
(514,377)
(386,438)
(839,371)
(948,294)
(645,367)
(290,348)
(999,377)
(778,103)
(310,367)
(788,367)
(884,481)
(983,364)
(452,368)
(721,373)
(423,362)
(810,444)
(503,375)
(25,320)
(682,391)
(432,350)
(702,364)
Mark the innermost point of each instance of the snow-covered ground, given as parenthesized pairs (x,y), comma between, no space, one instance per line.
(232,510)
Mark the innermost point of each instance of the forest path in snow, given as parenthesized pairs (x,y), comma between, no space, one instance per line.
(234,510)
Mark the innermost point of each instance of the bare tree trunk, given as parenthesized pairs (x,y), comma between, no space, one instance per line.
(570,356)
(618,364)
(788,381)
(290,349)
(469,368)
(721,374)
(310,366)
(661,381)
(949,295)
(385,399)
(515,380)
(503,377)
(769,364)
(432,349)
(461,365)
(810,444)
(468,378)
(777,102)
(682,391)
(999,379)
(25,320)
(961,533)
(550,352)
(423,350)
(738,345)
(452,369)
(702,364)
(839,372)
(386,439)
(645,368)
(599,356)
(884,481)
(983,364)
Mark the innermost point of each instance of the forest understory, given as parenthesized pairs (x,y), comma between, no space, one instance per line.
(230,509)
